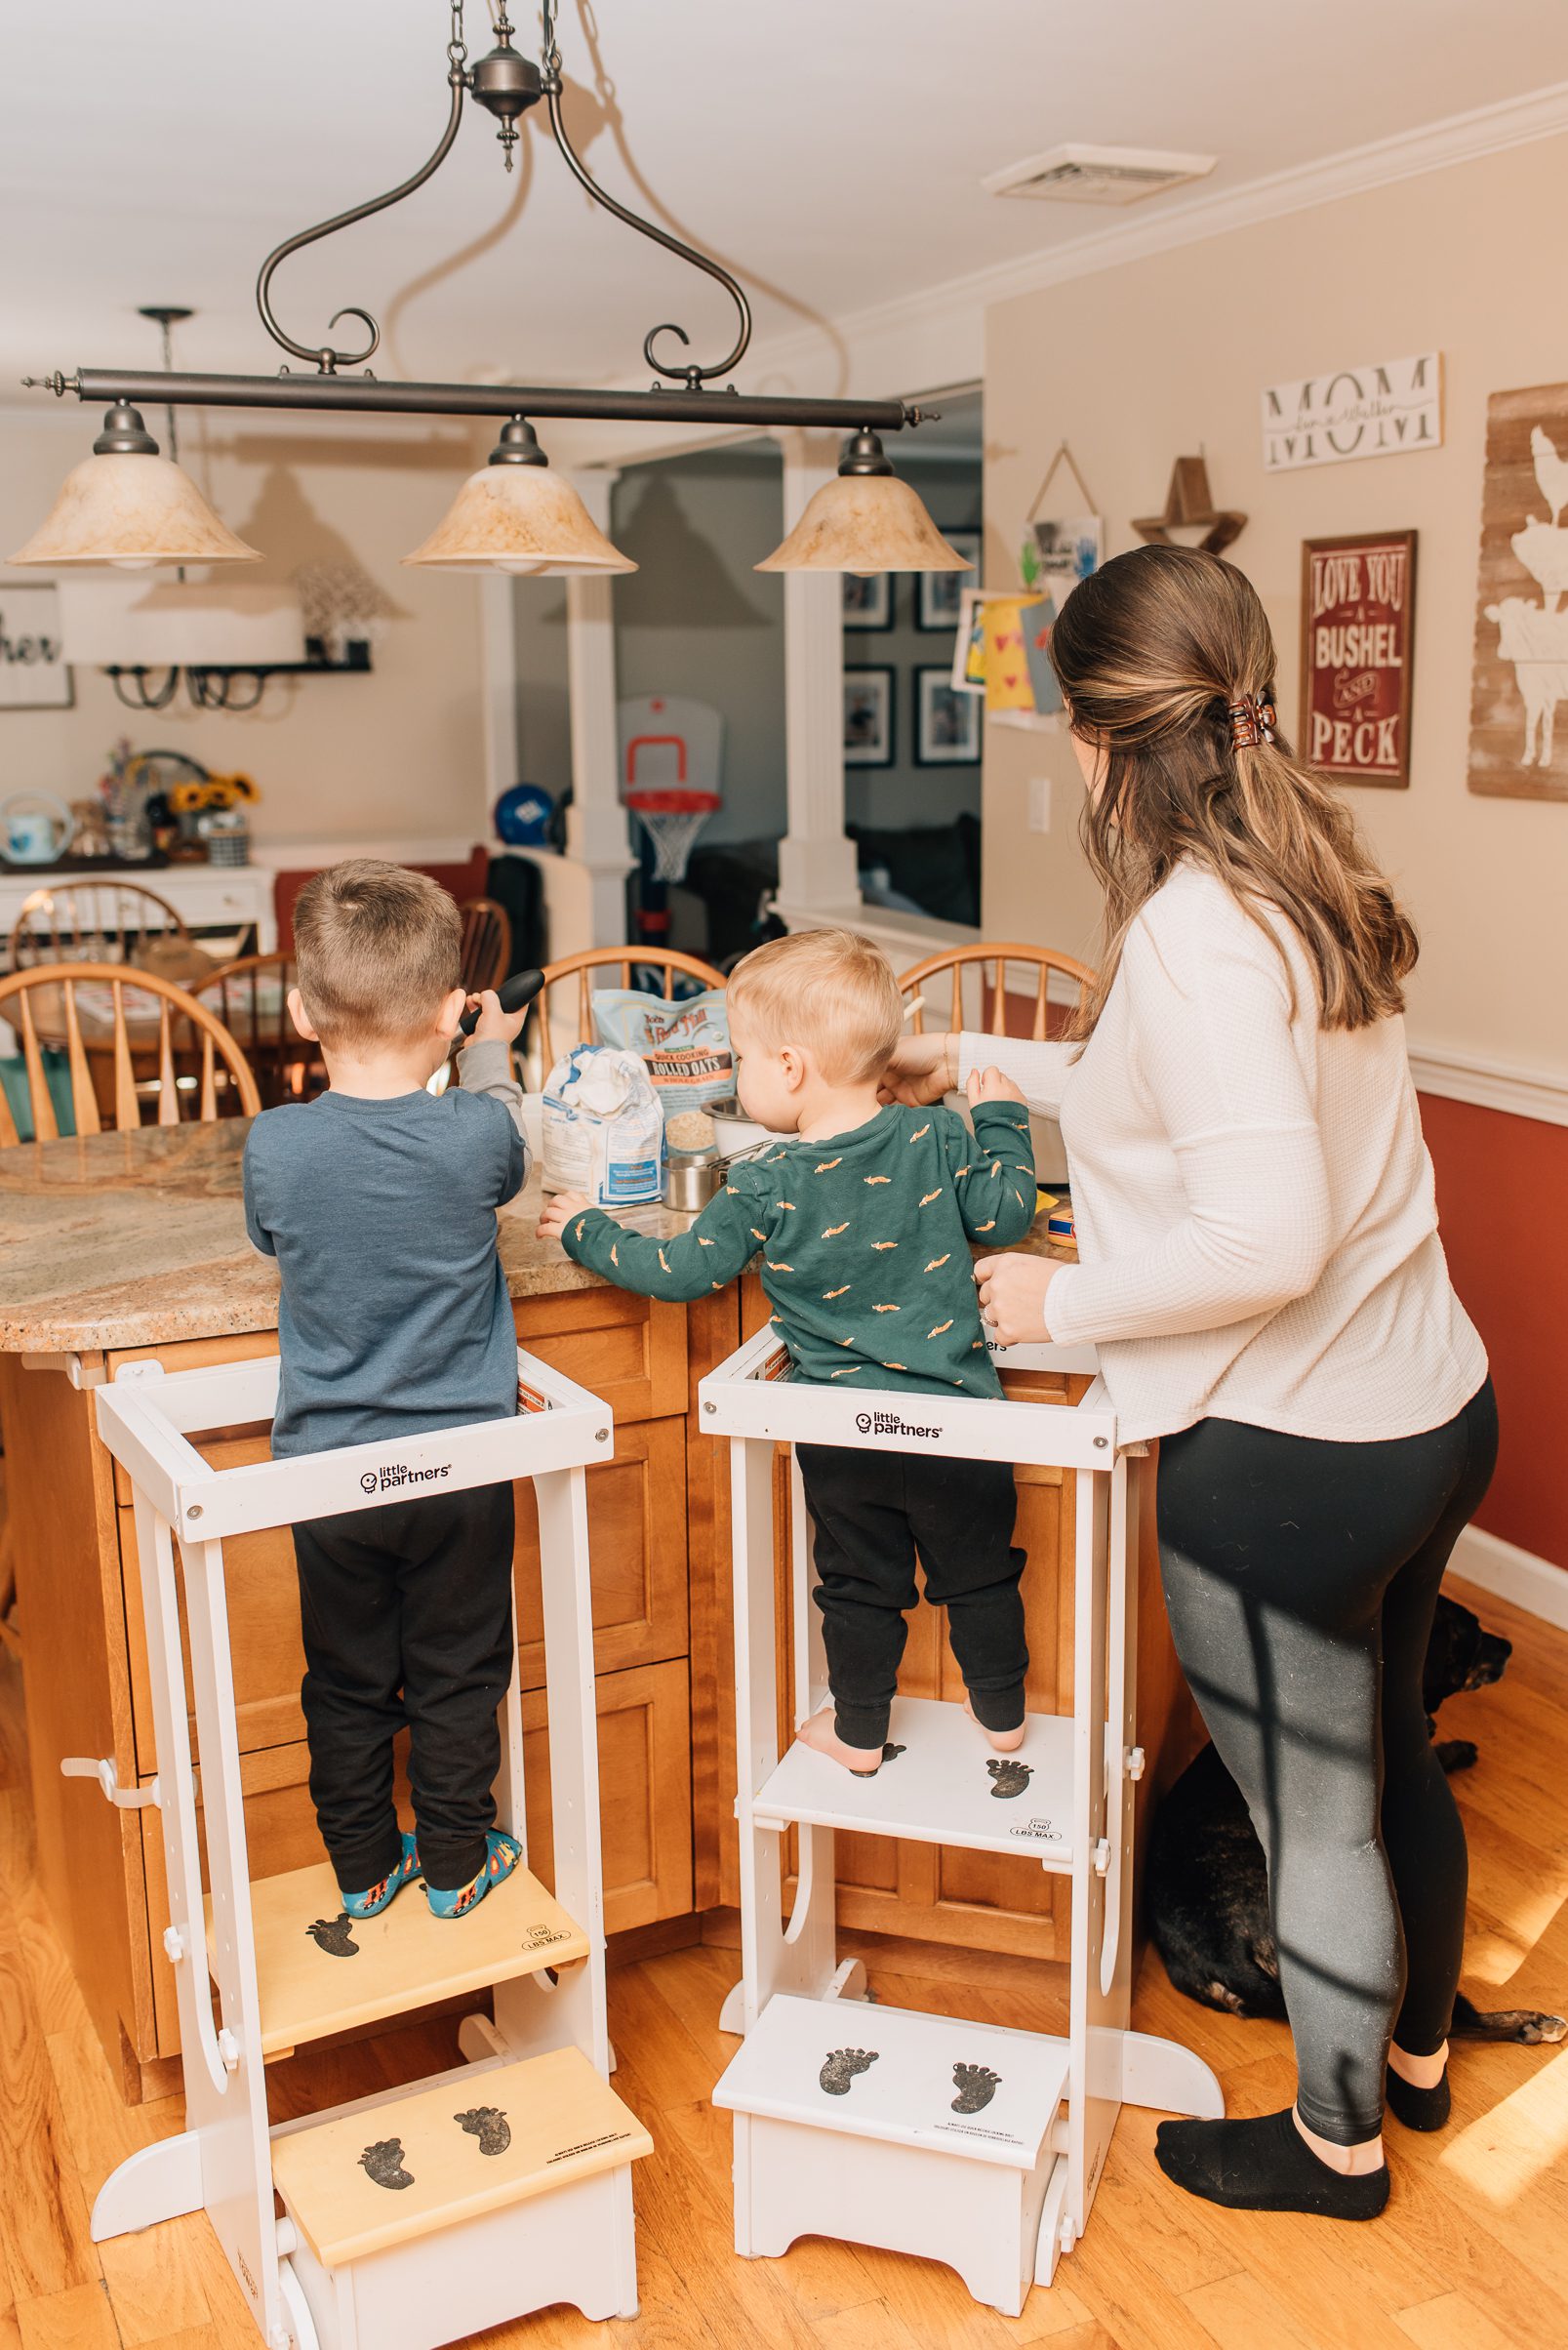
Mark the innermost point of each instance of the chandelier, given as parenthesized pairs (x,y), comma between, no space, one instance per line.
(128,505)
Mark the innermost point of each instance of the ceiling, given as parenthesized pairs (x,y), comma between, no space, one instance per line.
(834,154)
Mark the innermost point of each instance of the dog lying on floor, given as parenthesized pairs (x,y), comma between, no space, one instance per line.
(1207,1889)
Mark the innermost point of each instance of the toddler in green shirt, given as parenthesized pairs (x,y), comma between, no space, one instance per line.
(862,1213)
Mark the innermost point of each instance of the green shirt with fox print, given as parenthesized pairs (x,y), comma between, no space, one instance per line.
(863,1241)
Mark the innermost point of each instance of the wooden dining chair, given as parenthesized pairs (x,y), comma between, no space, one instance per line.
(487,943)
(250,996)
(624,961)
(46,1007)
(989,999)
(93,922)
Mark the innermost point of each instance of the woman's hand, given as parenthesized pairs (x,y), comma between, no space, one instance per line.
(920,1070)
(558,1214)
(1011,1297)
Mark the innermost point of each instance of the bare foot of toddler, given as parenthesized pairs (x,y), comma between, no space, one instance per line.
(821,1734)
(1004,1742)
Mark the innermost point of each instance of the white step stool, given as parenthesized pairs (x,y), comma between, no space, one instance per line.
(421,2214)
(963,2142)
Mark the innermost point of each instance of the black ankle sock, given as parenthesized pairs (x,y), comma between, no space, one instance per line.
(1264,2165)
(1418,2108)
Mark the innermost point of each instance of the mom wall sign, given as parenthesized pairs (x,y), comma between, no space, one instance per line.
(1383,408)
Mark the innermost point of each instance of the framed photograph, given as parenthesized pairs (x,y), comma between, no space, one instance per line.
(33,675)
(937,592)
(868,717)
(968,672)
(1358,613)
(868,603)
(946,721)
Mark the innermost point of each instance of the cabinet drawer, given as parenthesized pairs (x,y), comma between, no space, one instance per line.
(645,1799)
(630,1351)
(637,1547)
(636,1507)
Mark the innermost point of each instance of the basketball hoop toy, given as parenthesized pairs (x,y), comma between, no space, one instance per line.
(672,820)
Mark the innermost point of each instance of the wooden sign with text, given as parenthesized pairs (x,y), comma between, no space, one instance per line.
(1358,609)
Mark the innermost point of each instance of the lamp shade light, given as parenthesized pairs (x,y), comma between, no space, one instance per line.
(515,515)
(128,507)
(865,522)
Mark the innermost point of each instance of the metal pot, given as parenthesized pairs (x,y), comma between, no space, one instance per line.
(691,1180)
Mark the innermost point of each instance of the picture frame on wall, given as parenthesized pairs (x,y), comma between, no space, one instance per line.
(33,671)
(947,720)
(868,724)
(1358,626)
(938,593)
(868,603)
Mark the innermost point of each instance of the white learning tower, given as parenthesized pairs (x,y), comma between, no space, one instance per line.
(427,2212)
(968,2143)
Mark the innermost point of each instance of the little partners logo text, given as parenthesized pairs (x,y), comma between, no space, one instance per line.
(396,1475)
(888,1423)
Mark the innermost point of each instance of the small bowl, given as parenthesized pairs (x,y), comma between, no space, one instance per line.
(733,1130)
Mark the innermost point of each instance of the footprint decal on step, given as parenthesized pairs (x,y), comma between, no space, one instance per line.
(841,2067)
(1009,1778)
(891,1753)
(383,2161)
(335,1935)
(489,2125)
(977,2084)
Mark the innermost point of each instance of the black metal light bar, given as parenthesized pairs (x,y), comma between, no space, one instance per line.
(101,387)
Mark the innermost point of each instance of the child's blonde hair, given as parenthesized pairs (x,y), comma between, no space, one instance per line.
(830,991)
(377,948)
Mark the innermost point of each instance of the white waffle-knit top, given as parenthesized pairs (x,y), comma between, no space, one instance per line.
(1253,1201)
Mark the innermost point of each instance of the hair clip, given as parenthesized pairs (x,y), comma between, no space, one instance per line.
(1252,720)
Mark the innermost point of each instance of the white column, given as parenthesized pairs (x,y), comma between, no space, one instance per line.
(498,687)
(816,862)
(596,836)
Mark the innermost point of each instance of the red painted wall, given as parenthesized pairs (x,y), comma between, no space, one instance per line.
(1503,1200)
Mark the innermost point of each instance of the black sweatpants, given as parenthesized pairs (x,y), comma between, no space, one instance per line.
(872,1511)
(406,1615)
(1301,1578)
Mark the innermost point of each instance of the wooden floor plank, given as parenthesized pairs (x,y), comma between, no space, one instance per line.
(1453,2322)
(78,2320)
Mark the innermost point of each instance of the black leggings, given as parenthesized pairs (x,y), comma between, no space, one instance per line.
(1301,1578)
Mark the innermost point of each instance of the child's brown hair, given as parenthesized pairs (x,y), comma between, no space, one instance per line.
(830,991)
(378,947)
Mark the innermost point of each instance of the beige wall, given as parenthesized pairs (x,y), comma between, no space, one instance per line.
(1166,355)
(395,753)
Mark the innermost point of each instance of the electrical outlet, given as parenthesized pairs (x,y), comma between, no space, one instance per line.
(1039,803)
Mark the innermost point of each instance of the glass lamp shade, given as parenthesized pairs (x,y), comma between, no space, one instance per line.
(132,510)
(519,519)
(864,523)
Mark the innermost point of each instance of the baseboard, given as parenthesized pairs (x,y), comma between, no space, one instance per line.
(1520,1576)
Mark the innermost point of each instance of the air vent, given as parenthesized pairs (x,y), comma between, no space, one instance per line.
(1098,175)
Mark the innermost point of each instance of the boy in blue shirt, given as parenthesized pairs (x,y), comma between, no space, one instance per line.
(379,1201)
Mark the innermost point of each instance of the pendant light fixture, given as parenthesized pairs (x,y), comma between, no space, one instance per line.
(865,522)
(513,514)
(128,506)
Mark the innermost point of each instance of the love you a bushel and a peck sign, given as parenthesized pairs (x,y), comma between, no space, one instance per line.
(1357,592)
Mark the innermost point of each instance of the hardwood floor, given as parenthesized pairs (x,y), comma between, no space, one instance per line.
(1472,2253)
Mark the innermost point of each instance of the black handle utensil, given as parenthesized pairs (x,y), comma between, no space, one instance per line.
(515,992)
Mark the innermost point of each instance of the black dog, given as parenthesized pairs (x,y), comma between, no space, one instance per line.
(1208,1890)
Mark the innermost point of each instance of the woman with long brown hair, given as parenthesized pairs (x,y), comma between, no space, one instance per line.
(1261,1271)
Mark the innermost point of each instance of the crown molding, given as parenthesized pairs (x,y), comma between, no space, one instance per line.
(934,339)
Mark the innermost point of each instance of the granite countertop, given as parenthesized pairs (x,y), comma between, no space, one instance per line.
(136,1239)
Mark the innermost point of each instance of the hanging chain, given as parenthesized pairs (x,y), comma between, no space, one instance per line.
(456,46)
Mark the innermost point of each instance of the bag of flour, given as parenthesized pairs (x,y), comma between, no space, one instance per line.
(602,1130)
(685,1049)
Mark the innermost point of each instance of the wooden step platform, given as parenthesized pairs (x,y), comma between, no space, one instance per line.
(321,1973)
(941,1788)
(387,2174)
(978,2092)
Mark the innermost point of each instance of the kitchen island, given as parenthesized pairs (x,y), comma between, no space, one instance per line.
(128,1247)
